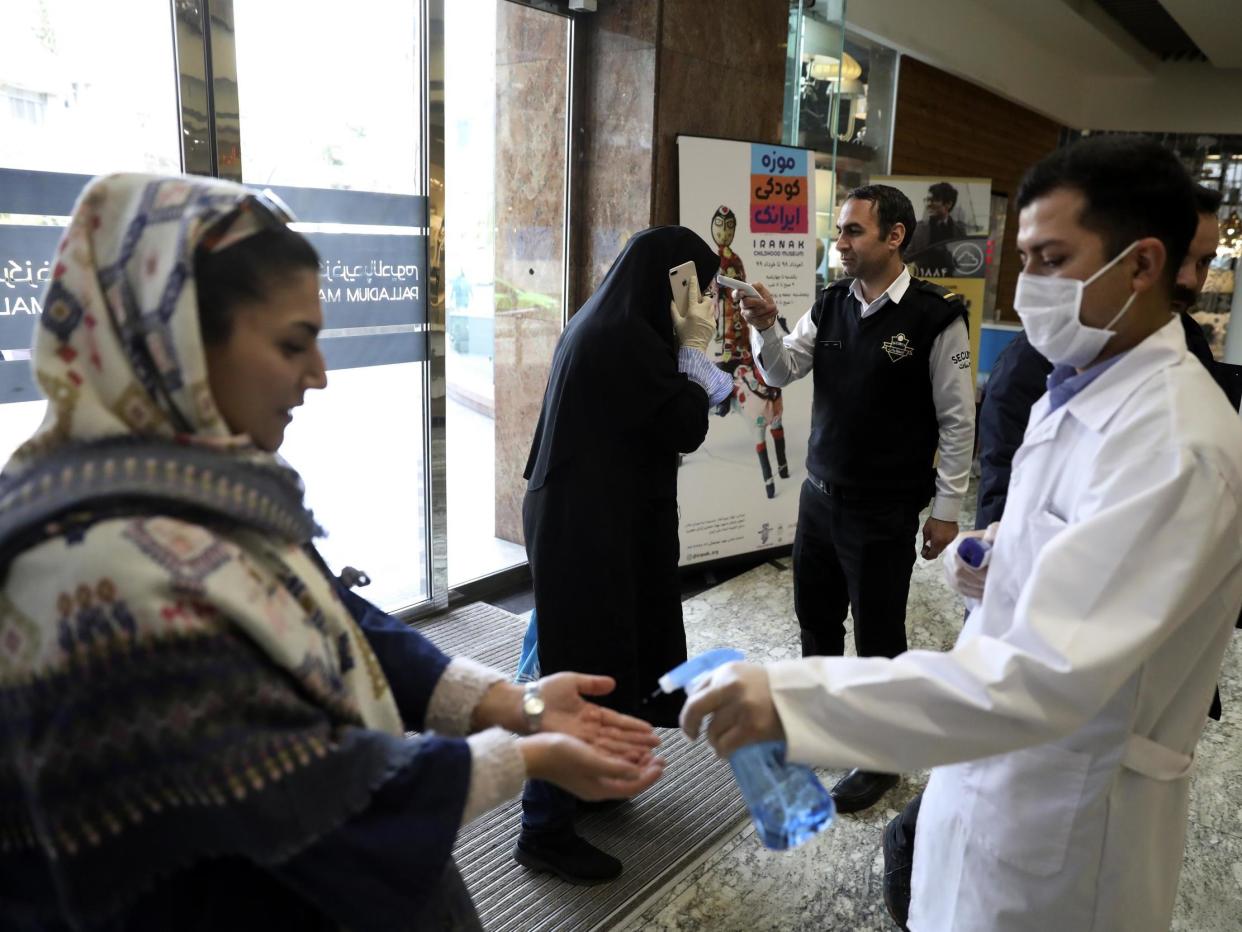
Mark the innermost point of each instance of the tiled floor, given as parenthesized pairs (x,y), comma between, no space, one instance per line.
(833,882)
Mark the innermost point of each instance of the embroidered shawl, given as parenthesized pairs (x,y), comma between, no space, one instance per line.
(178,678)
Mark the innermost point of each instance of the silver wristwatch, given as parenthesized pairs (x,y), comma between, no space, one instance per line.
(532,707)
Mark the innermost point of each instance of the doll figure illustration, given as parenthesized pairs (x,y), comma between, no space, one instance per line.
(752,398)
(761,405)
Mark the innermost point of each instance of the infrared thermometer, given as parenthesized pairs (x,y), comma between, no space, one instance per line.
(737,285)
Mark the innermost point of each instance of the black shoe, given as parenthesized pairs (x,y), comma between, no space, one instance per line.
(861,789)
(770,486)
(898,866)
(783,471)
(567,855)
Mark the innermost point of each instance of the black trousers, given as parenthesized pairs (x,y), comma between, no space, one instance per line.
(853,553)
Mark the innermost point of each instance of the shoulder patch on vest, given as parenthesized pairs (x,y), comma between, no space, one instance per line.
(938,290)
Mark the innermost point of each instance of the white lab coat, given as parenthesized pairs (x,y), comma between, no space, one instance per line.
(1079,687)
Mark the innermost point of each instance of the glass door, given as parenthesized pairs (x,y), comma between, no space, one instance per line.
(331,115)
(507,171)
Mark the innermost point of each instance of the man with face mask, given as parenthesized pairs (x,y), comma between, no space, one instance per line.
(1019,375)
(890,358)
(1062,725)
(1018,379)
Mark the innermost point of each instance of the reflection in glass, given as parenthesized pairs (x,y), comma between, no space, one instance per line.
(70,102)
(335,102)
(506,111)
(841,105)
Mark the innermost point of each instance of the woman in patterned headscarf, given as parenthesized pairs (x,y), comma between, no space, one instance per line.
(199,726)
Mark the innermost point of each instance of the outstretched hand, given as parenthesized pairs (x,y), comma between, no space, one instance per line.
(567,711)
(584,771)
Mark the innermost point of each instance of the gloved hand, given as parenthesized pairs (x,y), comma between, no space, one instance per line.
(963,578)
(697,326)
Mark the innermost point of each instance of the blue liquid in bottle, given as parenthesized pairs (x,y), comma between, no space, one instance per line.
(787,802)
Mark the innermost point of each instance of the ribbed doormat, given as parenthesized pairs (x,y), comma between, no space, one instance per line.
(695,803)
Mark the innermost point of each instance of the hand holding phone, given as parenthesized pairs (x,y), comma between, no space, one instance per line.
(682,279)
(694,321)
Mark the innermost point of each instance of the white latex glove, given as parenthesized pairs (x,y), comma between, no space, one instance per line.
(697,326)
(963,578)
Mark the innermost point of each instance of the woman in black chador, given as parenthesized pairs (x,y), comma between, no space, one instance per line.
(629,390)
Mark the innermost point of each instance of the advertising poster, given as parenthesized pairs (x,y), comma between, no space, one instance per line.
(952,243)
(755,206)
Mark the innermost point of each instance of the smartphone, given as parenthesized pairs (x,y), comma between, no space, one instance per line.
(682,279)
(737,285)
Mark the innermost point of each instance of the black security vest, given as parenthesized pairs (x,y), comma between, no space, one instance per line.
(873,419)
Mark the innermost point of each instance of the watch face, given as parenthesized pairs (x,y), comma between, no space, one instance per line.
(533,705)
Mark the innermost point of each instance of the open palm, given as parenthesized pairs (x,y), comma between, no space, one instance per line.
(566,710)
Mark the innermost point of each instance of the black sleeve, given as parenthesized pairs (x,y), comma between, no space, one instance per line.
(680,424)
(1018,380)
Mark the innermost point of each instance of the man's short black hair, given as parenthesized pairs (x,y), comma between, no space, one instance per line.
(1134,187)
(891,207)
(943,192)
(1207,200)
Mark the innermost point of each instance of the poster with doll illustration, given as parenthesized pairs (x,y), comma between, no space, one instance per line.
(754,204)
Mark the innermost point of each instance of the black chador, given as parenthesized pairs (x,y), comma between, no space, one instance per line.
(600,514)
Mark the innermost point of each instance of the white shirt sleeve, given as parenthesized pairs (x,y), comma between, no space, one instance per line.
(497,771)
(954,396)
(1050,671)
(784,360)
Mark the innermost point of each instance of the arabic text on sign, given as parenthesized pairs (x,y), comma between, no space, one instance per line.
(769,187)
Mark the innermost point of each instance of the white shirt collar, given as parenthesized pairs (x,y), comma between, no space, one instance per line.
(895,292)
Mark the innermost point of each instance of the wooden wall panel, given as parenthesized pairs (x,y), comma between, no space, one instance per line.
(947,126)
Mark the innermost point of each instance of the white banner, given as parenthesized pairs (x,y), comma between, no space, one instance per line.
(755,205)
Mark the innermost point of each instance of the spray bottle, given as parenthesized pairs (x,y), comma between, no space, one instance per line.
(787,802)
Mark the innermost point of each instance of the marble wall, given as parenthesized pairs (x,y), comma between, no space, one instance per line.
(721,73)
(532,65)
(613,135)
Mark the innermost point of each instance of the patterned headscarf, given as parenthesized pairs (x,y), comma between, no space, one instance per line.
(177,679)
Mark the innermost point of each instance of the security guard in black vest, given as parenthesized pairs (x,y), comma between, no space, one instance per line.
(890,357)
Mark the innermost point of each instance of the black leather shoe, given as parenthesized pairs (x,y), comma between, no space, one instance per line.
(898,867)
(861,789)
(568,855)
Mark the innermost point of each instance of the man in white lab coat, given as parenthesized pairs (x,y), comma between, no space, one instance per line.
(1063,723)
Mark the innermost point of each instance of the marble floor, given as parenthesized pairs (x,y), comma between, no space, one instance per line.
(833,881)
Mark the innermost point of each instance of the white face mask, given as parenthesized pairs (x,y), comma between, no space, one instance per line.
(1049,308)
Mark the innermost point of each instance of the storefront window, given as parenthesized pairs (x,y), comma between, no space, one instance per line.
(70,108)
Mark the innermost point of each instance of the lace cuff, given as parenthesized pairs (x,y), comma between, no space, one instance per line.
(497,771)
(703,372)
(460,689)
